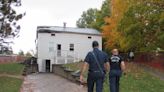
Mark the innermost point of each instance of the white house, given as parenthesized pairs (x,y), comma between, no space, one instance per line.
(61,45)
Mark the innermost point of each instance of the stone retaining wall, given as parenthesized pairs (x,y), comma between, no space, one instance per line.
(66,73)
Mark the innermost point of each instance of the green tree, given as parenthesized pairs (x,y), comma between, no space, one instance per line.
(102,14)
(28,54)
(94,18)
(142,27)
(6,50)
(87,18)
(21,53)
(8,19)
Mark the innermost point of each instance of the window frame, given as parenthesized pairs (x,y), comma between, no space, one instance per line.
(71,47)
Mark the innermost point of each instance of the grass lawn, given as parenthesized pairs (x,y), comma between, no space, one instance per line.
(8,84)
(11,68)
(136,80)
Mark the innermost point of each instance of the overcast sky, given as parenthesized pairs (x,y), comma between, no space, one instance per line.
(50,13)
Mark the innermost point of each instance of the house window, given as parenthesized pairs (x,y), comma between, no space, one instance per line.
(51,46)
(51,43)
(89,37)
(51,49)
(52,34)
(71,47)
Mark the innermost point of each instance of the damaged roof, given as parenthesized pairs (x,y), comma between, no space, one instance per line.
(51,29)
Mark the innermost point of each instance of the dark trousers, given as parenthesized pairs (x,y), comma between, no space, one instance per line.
(93,80)
(114,78)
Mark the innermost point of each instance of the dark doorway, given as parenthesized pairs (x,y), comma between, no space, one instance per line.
(59,50)
(48,65)
(59,47)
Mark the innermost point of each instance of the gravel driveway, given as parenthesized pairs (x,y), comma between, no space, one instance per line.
(43,82)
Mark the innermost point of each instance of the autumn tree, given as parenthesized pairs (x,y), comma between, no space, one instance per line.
(110,33)
(135,24)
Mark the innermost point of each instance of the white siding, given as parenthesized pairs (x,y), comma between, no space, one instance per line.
(82,45)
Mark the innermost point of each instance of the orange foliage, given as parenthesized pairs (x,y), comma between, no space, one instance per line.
(110,32)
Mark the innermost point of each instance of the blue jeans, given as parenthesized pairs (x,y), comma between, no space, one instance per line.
(114,78)
(94,80)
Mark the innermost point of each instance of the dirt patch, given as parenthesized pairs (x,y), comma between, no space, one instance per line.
(13,76)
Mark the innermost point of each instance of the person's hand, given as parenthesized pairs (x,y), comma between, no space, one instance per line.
(81,78)
(124,73)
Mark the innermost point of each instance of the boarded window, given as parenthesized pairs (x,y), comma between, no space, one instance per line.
(89,37)
(52,34)
(71,47)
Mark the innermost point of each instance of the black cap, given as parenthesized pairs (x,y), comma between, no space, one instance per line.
(95,44)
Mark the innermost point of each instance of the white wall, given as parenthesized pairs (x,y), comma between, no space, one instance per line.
(82,45)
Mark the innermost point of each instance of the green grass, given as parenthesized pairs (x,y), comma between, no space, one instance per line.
(8,84)
(143,83)
(136,80)
(11,68)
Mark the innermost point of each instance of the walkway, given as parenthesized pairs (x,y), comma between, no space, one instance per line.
(49,83)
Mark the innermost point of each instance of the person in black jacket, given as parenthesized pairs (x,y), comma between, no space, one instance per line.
(98,62)
(117,66)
